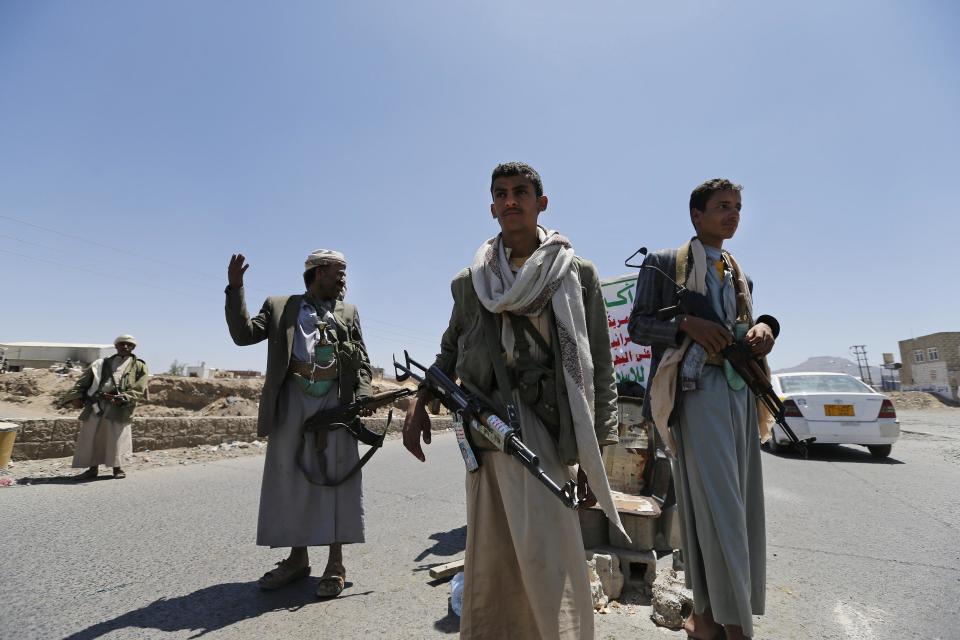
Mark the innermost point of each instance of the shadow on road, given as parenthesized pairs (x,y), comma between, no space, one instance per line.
(447,543)
(836,453)
(450,623)
(213,608)
(72,479)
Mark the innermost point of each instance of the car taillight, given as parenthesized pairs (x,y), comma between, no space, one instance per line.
(887,410)
(791,410)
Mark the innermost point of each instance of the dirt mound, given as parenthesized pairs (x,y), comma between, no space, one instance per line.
(918,400)
(231,406)
(34,383)
(37,390)
(195,394)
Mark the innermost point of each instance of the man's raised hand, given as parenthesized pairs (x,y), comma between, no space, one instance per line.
(236,270)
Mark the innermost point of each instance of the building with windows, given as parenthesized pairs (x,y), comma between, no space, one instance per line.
(932,363)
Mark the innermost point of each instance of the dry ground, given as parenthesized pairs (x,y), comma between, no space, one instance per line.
(34,393)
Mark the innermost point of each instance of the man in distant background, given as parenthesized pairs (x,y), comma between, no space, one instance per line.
(108,392)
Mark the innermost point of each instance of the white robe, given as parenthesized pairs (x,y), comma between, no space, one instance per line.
(101,440)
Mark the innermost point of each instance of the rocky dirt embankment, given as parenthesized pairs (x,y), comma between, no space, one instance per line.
(34,393)
(918,401)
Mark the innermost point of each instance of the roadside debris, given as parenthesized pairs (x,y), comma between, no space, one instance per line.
(672,601)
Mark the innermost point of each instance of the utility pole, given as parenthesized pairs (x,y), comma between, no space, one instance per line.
(859,351)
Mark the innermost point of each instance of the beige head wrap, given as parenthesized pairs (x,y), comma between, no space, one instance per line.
(323,257)
(125,338)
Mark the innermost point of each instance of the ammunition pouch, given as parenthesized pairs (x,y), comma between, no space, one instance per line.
(350,354)
(535,382)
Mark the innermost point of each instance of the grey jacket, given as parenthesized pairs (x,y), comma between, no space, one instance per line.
(275,323)
(464,355)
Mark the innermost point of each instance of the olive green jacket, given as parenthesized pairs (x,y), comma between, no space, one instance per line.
(464,355)
(132,384)
(275,323)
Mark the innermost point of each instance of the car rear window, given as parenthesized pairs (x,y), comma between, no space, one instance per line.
(823,384)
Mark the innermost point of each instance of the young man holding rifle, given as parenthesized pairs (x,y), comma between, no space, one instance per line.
(712,423)
(531,308)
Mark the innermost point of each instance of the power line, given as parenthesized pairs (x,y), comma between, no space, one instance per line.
(112,247)
(860,353)
(109,276)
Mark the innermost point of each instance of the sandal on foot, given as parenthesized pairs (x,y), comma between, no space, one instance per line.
(119,474)
(330,586)
(89,474)
(283,575)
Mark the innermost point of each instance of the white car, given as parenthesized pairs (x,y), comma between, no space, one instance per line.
(835,408)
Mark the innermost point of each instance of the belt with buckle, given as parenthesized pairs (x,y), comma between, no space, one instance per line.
(314,372)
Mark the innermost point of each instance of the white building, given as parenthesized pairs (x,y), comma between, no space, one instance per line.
(203,371)
(40,355)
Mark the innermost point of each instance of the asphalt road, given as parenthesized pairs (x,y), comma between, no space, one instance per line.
(858,549)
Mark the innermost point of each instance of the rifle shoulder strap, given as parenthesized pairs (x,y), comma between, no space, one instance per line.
(492,338)
(522,327)
(335,483)
(358,431)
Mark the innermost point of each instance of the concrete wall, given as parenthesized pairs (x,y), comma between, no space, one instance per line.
(55,438)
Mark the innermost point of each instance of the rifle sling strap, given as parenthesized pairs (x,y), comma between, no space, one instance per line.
(491,336)
(353,471)
(522,327)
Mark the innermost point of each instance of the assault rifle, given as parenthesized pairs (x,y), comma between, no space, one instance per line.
(347,417)
(738,353)
(477,414)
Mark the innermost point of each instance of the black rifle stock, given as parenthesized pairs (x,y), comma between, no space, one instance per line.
(476,413)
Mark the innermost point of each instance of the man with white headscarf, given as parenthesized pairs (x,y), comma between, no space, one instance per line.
(316,359)
(531,302)
(108,392)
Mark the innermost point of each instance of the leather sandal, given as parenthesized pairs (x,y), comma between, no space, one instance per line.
(283,575)
(331,585)
(119,474)
(89,474)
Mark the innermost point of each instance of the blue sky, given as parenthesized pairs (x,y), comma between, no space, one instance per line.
(143,143)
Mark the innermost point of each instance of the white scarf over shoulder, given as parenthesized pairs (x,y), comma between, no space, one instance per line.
(546,278)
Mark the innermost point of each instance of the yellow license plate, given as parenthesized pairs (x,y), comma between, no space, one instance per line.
(838,410)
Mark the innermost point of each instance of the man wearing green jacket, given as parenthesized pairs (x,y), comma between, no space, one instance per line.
(316,359)
(540,305)
(108,392)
